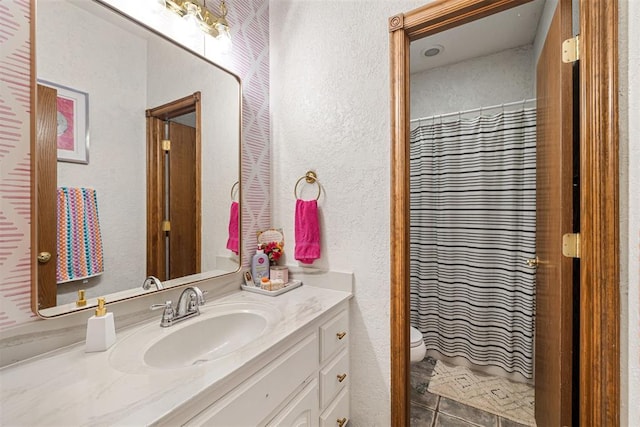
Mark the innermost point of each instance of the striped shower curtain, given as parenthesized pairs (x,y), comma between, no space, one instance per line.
(473,212)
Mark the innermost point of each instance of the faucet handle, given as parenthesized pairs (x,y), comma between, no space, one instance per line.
(199,294)
(167,314)
(193,303)
(167,304)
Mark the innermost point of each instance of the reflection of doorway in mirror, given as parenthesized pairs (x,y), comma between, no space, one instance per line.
(173,193)
(46,134)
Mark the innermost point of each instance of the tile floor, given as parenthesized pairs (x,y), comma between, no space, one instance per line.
(431,410)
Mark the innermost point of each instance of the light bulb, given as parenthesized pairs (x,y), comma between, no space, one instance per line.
(191,19)
(223,38)
(190,31)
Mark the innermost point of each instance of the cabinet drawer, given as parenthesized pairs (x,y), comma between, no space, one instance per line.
(334,377)
(334,335)
(256,398)
(337,414)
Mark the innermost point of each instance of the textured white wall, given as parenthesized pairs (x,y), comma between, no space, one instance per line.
(479,82)
(117,133)
(330,113)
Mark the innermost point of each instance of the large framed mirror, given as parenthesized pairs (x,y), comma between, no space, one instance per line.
(137,159)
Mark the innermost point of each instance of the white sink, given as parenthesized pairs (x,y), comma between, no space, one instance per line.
(218,332)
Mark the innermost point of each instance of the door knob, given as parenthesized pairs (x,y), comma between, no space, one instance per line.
(533,262)
(44,257)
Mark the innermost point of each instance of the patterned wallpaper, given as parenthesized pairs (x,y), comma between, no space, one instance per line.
(15,170)
(249,20)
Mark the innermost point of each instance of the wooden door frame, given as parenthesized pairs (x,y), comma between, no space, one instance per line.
(155,177)
(599,210)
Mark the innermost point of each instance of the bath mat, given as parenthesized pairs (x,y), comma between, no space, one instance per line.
(514,401)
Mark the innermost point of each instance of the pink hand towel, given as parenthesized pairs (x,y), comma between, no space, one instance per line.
(234,228)
(307,231)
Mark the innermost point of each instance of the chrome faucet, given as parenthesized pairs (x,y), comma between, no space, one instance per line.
(188,306)
(151,281)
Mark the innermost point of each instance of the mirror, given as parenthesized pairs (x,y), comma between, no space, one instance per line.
(112,194)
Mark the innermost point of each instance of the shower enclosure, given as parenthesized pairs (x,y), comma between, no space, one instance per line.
(473,213)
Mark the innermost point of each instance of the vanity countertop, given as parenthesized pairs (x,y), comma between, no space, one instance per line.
(71,387)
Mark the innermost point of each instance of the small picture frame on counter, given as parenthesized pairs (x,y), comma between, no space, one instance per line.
(248,279)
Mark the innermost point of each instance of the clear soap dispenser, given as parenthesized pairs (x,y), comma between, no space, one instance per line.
(101,330)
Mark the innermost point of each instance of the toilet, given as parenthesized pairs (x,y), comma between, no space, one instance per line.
(418,349)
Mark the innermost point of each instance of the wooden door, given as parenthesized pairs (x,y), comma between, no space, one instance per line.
(156,259)
(184,244)
(554,287)
(173,190)
(46,178)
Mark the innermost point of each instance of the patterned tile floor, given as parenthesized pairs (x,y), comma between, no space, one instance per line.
(431,410)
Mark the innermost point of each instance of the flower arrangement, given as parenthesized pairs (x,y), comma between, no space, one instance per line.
(273,250)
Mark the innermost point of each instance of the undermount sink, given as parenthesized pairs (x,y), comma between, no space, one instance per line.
(218,332)
(206,339)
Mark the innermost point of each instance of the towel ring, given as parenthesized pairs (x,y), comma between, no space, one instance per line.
(234,189)
(311,178)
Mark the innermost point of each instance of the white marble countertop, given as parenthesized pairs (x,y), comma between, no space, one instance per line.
(70,387)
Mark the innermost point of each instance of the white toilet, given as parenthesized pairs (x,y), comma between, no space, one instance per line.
(418,349)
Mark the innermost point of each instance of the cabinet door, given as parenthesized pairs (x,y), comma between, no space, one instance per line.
(260,395)
(302,411)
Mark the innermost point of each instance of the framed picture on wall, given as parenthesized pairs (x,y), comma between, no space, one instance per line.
(72,123)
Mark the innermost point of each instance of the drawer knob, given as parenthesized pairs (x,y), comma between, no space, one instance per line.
(341,335)
(341,377)
(341,421)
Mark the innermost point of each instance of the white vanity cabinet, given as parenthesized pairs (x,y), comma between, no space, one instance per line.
(307,385)
(295,373)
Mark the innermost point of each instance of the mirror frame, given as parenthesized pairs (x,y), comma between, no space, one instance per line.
(599,204)
(182,282)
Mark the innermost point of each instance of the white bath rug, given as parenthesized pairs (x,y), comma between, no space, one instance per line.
(514,401)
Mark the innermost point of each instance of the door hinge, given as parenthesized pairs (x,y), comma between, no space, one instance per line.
(571,245)
(166,225)
(166,145)
(571,49)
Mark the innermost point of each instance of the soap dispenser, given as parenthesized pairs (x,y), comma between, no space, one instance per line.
(259,267)
(101,330)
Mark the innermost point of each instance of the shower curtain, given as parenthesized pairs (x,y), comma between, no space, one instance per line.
(473,212)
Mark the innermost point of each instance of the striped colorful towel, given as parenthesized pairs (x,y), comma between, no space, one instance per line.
(79,238)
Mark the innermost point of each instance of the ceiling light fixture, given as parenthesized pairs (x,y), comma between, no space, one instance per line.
(198,15)
(433,50)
